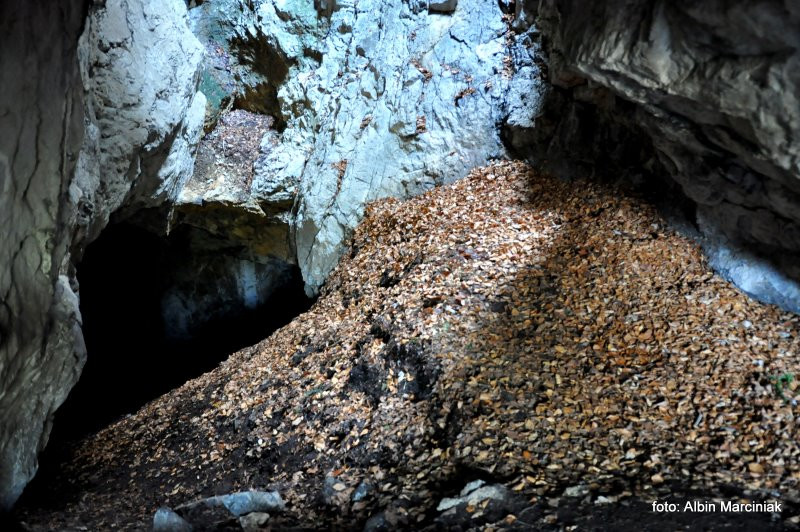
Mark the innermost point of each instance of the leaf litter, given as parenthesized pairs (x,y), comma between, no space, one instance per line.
(557,338)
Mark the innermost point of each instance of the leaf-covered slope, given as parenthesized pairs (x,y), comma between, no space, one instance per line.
(554,337)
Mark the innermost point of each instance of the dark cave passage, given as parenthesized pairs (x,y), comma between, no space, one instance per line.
(132,358)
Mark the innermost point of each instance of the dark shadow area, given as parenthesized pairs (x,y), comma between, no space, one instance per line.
(587,131)
(601,140)
(131,360)
(273,65)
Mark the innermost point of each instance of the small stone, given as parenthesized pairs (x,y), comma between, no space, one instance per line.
(253,521)
(377,523)
(165,520)
(576,491)
(237,504)
(474,493)
(253,501)
(361,492)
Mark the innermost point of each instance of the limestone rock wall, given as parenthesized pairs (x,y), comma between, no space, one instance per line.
(89,127)
(707,93)
(404,99)
(41,115)
(371,98)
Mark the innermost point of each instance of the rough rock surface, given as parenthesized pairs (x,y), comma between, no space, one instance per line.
(373,99)
(417,104)
(236,251)
(35,158)
(88,128)
(250,48)
(712,87)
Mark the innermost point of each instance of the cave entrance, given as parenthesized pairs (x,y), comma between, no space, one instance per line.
(132,355)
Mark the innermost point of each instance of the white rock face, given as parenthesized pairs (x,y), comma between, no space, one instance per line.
(374,98)
(402,100)
(85,131)
(139,64)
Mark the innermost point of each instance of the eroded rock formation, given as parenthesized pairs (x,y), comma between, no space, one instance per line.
(36,159)
(705,92)
(365,100)
(373,99)
(89,127)
(339,103)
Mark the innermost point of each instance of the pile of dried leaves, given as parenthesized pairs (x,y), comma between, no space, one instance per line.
(554,337)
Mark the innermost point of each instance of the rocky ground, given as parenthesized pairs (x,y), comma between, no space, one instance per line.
(229,150)
(556,341)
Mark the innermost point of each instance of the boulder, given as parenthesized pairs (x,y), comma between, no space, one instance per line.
(248,510)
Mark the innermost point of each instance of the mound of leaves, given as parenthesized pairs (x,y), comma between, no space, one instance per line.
(555,338)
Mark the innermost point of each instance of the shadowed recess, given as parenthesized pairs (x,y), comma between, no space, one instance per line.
(132,357)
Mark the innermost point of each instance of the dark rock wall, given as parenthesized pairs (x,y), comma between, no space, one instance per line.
(704,92)
(41,130)
(98,114)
